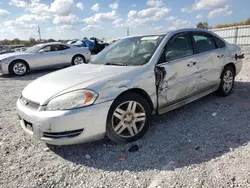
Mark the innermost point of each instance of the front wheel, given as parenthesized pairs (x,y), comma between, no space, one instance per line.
(18,68)
(227,81)
(128,118)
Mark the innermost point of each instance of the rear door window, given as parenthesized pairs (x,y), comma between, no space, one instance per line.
(203,42)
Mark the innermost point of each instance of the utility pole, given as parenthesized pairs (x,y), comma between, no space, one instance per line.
(39,32)
(128,31)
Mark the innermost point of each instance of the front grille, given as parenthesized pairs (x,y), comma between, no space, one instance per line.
(67,134)
(29,104)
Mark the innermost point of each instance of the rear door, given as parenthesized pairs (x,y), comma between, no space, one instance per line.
(177,73)
(210,59)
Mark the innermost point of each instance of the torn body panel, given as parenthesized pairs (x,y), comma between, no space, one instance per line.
(176,80)
(142,78)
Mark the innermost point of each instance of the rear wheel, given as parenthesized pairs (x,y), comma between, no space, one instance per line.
(18,68)
(78,59)
(227,81)
(128,118)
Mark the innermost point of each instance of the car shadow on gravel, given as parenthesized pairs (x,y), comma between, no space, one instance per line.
(193,134)
(30,75)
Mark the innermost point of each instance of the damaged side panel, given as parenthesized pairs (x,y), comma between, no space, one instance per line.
(143,79)
(175,81)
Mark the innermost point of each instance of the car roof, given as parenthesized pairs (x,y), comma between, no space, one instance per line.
(191,30)
(50,43)
(173,32)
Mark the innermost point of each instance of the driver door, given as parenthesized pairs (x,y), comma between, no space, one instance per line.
(177,72)
(51,56)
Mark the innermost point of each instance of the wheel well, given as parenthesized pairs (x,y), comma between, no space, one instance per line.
(78,55)
(231,65)
(18,60)
(140,92)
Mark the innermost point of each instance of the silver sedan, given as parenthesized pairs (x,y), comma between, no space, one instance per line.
(43,56)
(124,85)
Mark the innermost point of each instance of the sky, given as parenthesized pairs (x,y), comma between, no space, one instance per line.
(75,19)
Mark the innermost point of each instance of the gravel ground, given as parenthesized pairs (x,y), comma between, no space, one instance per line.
(203,144)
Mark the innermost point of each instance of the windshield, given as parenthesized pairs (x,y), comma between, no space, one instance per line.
(129,51)
(33,49)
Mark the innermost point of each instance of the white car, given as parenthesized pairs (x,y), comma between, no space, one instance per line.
(133,78)
(43,56)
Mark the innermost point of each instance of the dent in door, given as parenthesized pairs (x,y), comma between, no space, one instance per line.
(171,86)
(162,83)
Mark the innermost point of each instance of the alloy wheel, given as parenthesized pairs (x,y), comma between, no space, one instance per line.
(228,81)
(19,68)
(128,119)
(78,60)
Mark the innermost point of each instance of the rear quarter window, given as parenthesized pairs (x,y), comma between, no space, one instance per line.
(63,47)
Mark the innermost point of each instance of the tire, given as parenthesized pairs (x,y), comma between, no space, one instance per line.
(227,81)
(125,125)
(78,59)
(18,68)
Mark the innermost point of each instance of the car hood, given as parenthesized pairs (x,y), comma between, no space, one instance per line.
(46,87)
(12,54)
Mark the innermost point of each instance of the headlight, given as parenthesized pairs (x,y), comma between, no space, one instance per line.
(72,100)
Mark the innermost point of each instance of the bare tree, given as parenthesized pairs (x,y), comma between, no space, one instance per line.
(32,41)
(51,40)
(16,41)
(202,25)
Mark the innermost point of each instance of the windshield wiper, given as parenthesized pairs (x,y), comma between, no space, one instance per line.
(119,64)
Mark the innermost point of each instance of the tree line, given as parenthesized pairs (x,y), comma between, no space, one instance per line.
(204,25)
(27,43)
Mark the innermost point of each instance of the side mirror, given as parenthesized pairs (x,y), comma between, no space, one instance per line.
(169,55)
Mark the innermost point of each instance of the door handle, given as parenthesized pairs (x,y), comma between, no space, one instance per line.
(192,63)
(220,56)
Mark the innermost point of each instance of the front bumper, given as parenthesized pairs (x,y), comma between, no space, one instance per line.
(65,127)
